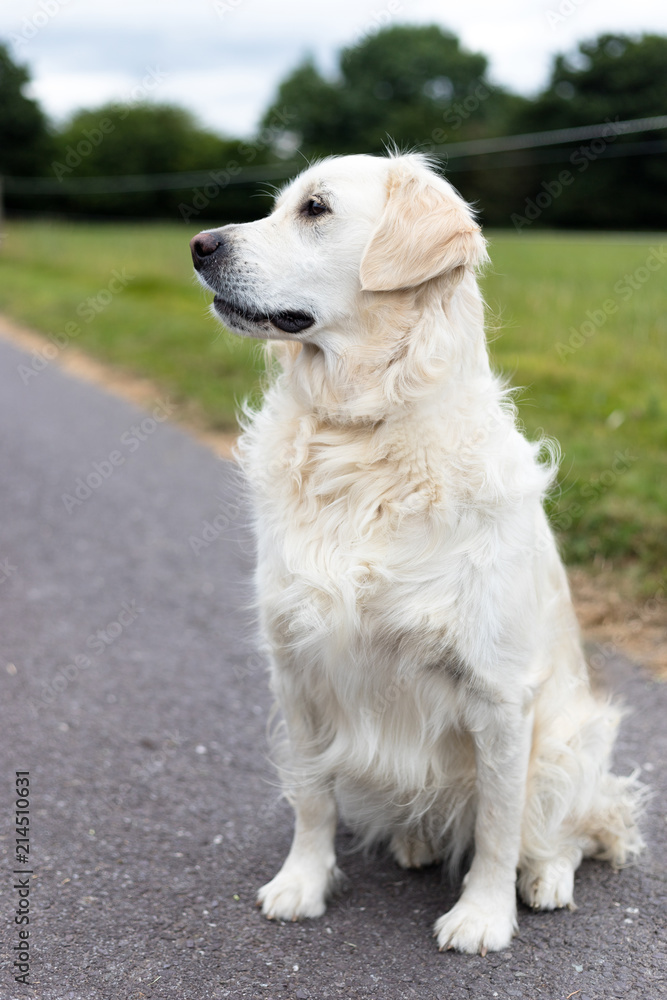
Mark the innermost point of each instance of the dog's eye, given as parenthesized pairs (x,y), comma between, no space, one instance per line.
(315,207)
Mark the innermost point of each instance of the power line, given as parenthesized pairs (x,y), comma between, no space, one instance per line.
(125,183)
(533,140)
(224,177)
(558,154)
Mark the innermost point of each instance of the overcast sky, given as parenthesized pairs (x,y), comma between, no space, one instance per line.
(224,58)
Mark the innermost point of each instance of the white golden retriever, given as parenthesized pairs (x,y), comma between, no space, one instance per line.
(424,651)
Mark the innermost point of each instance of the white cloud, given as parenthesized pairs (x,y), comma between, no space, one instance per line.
(55,91)
(225,62)
(229,100)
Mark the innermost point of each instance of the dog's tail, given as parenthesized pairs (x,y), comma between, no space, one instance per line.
(574,801)
(613,823)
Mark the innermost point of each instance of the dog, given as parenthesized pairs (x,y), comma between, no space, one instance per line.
(424,652)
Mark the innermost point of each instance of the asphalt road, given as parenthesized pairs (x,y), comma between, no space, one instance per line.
(131,692)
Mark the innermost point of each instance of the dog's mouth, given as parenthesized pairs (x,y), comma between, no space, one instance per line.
(287,321)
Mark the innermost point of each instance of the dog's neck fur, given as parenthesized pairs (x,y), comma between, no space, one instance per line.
(406,347)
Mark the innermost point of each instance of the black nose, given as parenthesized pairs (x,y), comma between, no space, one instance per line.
(204,245)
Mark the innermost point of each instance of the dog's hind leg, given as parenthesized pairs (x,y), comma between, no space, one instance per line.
(607,832)
(409,851)
(575,807)
(549,884)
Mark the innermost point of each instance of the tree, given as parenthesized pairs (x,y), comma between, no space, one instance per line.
(612,78)
(117,139)
(412,85)
(134,139)
(25,141)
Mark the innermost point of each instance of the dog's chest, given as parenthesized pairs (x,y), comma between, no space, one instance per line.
(340,537)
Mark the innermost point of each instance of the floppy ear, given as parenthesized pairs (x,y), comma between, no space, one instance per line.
(424,231)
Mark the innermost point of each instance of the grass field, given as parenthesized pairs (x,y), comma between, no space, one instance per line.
(578,321)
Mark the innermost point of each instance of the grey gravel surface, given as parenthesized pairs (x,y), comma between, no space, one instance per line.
(131,691)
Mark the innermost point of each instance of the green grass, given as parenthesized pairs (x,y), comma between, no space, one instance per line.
(157,325)
(599,389)
(601,393)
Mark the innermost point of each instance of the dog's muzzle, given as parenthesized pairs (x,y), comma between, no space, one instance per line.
(210,250)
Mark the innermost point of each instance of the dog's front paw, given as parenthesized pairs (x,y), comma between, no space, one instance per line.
(297,892)
(474,927)
(549,885)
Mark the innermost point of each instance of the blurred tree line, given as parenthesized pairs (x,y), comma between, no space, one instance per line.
(409,85)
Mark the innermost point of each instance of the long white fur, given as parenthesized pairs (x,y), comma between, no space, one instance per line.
(424,651)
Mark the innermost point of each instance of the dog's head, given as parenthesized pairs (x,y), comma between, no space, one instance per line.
(346,229)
